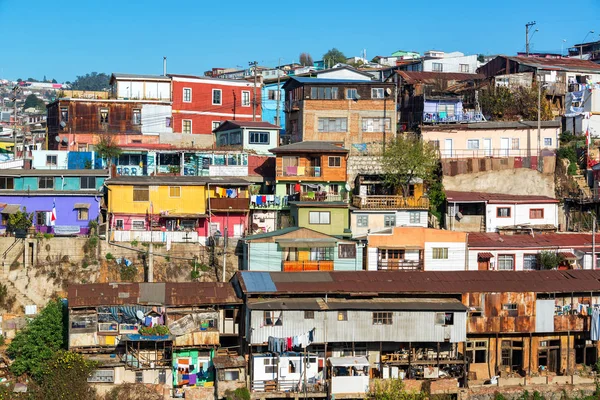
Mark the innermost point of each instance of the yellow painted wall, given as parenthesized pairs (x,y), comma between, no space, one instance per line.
(192,200)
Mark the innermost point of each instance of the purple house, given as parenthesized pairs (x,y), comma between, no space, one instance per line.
(76,196)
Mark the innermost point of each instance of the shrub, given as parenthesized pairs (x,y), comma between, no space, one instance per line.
(48,236)
(134,243)
(128,274)
(109,256)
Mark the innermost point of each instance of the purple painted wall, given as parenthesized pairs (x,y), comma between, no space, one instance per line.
(66,215)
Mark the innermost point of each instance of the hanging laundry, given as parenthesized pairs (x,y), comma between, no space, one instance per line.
(264,199)
(595,325)
(229,192)
(301,171)
(297,188)
(291,171)
(277,200)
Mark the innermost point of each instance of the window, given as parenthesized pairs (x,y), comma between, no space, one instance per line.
(435,144)
(119,224)
(139,376)
(273,318)
(104,115)
(335,161)
(245,98)
(347,250)
(231,375)
(414,217)
(64,114)
(174,191)
(136,116)
(514,144)
(51,160)
(503,212)
(477,351)
(437,67)
(40,218)
(102,376)
(351,94)
(274,94)
(259,138)
(216,97)
(187,95)
(506,262)
(82,214)
(382,318)
(167,122)
(141,194)
(235,138)
(362,221)
(444,318)
(318,217)
(309,315)
(162,377)
(215,124)
(324,93)
(333,124)
(389,220)
(530,262)
(87,182)
(45,182)
(375,124)
(392,254)
(342,316)
(473,144)
(377,93)
(138,225)
(334,188)
(548,142)
(7,183)
(440,253)
(536,213)
(464,67)
(321,254)
(186,126)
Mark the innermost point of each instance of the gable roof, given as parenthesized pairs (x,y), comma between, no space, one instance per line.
(548,240)
(299,147)
(346,67)
(229,125)
(453,196)
(291,233)
(325,81)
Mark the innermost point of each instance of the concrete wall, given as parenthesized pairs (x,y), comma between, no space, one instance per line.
(362,164)
(507,181)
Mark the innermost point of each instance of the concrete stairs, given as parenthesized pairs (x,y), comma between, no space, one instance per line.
(582,185)
(22,298)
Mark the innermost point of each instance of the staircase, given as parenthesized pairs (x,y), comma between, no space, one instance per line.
(582,185)
(22,298)
(16,247)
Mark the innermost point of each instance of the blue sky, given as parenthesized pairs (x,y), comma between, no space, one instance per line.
(65,38)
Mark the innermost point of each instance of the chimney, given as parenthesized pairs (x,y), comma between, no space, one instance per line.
(164,66)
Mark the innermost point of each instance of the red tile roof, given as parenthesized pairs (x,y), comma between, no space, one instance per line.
(548,240)
(494,198)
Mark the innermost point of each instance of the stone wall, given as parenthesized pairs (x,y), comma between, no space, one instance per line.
(356,165)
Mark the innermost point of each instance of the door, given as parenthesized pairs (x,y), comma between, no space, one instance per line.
(504,147)
(487,147)
(448,147)
(483,265)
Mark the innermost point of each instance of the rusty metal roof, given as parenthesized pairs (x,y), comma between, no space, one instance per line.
(221,362)
(494,198)
(413,77)
(548,240)
(322,304)
(356,283)
(175,294)
(560,64)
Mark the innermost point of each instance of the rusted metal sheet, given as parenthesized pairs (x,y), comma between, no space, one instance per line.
(210,338)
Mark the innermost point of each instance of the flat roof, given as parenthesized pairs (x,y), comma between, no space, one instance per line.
(453,196)
(54,172)
(140,77)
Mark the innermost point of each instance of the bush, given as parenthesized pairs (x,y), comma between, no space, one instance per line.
(109,256)
(195,274)
(128,274)
(134,243)
(158,330)
(238,394)
(132,391)
(48,236)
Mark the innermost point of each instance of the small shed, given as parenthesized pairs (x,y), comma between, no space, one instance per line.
(349,375)
(230,374)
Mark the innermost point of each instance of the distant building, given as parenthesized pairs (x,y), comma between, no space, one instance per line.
(251,136)
(439,61)
(588,51)
(140,87)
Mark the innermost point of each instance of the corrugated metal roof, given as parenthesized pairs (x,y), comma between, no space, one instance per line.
(456,196)
(348,361)
(309,146)
(10,209)
(228,125)
(258,282)
(278,232)
(549,240)
(305,80)
(566,64)
(140,77)
(320,304)
(54,172)
(412,77)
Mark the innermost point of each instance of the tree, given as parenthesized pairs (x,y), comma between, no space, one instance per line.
(65,377)
(306,59)
(33,101)
(91,81)
(408,158)
(108,148)
(38,342)
(550,259)
(21,220)
(45,79)
(514,104)
(54,81)
(19,80)
(333,57)
(130,391)
(481,58)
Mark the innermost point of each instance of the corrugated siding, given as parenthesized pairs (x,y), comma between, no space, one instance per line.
(406,327)
(372,259)
(456,256)
(544,315)
(348,264)
(403,218)
(264,257)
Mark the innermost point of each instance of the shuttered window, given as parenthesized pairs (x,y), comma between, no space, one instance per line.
(141,194)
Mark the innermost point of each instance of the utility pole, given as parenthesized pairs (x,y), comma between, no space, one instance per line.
(539,122)
(254,64)
(527,27)
(278,92)
(16,91)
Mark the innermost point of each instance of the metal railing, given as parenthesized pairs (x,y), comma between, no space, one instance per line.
(322,196)
(407,265)
(296,266)
(300,171)
(390,202)
(294,386)
(445,118)
(482,153)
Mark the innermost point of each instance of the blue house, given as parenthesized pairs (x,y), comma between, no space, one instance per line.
(271,94)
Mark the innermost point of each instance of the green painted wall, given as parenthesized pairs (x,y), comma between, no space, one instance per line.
(338,219)
(348,264)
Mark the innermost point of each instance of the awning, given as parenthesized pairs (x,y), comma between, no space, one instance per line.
(10,209)
(306,243)
(81,205)
(348,361)
(567,255)
(484,256)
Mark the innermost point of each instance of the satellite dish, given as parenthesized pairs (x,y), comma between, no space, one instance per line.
(57,138)
(388,91)
(139,314)
(63,124)
(357,97)
(347,187)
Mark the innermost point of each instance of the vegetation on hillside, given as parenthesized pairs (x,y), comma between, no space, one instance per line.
(91,81)
(515,104)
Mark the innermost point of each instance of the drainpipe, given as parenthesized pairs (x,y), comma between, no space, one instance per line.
(467,252)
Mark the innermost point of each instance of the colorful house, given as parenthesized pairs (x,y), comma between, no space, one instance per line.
(301,249)
(272,101)
(75,195)
(253,136)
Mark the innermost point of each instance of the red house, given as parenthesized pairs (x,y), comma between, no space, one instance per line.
(201,103)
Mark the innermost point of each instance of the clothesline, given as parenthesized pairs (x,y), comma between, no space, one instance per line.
(281,345)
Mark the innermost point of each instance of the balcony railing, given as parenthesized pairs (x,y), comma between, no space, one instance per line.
(445,118)
(390,202)
(322,196)
(225,203)
(407,265)
(298,266)
(300,171)
(496,153)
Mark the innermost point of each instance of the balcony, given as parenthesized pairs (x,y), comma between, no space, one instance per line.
(322,197)
(300,266)
(226,203)
(390,202)
(314,172)
(400,265)
(271,201)
(457,118)
(292,105)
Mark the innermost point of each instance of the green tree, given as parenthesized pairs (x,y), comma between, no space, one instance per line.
(108,148)
(334,56)
(19,220)
(481,58)
(33,101)
(54,81)
(306,59)
(38,342)
(514,104)
(64,376)
(550,259)
(91,81)
(393,389)
(408,158)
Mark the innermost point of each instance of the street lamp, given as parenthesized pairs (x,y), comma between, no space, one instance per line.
(562,45)
(582,42)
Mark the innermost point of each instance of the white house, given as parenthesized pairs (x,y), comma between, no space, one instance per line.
(493,212)
(49,159)
(439,61)
(583,111)
(140,87)
(250,135)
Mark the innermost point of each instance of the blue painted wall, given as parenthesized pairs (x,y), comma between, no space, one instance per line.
(269,107)
(70,183)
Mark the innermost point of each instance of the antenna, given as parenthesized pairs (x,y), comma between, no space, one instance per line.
(165,66)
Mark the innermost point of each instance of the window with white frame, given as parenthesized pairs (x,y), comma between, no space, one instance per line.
(414,217)
(319,217)
(506,262)
(321,253)
(138,225)
(259,137)
(351,94)
(104,115)
(324,93)
(530,262)
(136,116)
(187,95)
(377,93)
(548,142)
(186,126)
(51,160)
(215,124)
(439,253)
(514,144)
(362,221)
(273,318)
(376,124)
(245,98)
(389,220)
(216,97)
(473,144)
(274,94)
(102,376)
(437,67)
(333,124)
(464,68)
